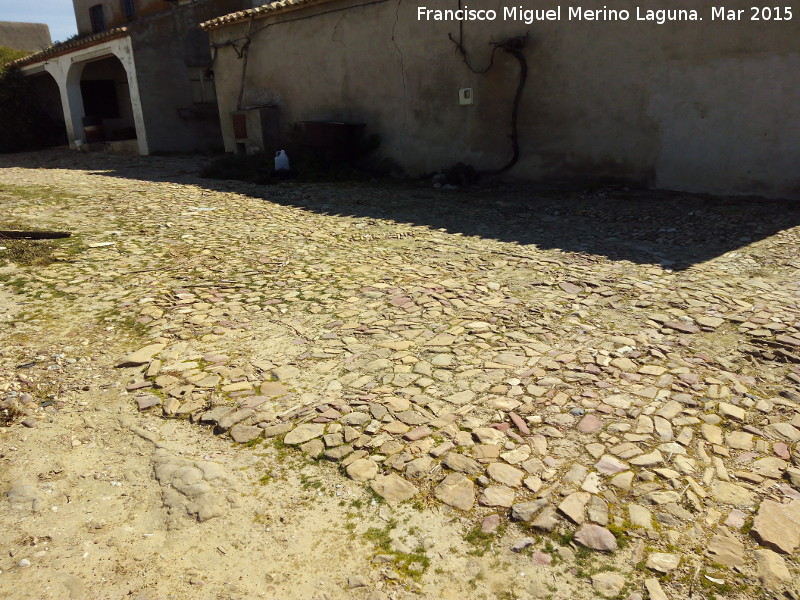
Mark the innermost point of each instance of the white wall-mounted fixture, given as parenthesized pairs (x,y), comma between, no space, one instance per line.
(466,97)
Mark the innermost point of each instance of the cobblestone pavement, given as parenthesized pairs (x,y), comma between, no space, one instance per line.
(614,370)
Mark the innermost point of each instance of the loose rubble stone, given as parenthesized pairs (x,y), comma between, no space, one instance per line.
(682,327)
(729,410)
(279,429)
(232,418)
(610,465)
(648,460)
(272,388)
(770,467)
(739,440)
(640,516)
(520,545)
(488,435)
(285,372)
(357,581)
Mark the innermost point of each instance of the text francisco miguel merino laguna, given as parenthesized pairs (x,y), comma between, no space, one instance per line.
(572,13)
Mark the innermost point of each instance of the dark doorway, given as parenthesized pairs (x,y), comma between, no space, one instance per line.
(107,101)
(100,98)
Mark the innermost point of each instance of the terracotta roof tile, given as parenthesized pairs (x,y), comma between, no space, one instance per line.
(264,9)
(70,45)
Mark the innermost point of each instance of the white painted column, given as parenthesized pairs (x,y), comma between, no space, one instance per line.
(67,77)
(125,56)
(72,101)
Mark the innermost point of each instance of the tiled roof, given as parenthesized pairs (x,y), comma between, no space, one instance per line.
(263,10)
(70,45)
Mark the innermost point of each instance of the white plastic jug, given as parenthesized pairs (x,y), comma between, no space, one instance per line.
(281,161)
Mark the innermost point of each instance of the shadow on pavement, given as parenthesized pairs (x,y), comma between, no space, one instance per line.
(675,230)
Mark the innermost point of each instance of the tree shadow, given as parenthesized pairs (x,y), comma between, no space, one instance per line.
(671,229)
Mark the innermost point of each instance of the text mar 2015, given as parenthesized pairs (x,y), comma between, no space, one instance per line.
(605,14)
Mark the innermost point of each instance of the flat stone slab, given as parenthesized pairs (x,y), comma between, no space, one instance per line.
(393,488)
(145,402)
(777,526)
(273,388)
(232,418)
(773,572)
(731,493)
(663,562)
(682,327)
(525,511)
(462,464)
(142,356)
(497,495)
(574,507)
(505,474)
(596,538)
(304,433)
(725,549)
(590,424)
(608,584)
(457,491)
(241,434)
(362,469)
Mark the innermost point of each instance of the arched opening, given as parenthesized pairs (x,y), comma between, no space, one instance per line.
(47,114)
(107,108)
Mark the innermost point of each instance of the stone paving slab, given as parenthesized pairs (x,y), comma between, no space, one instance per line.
(613,400)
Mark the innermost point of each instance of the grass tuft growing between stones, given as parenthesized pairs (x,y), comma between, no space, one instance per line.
(407,564)
(27,253)
(481,542)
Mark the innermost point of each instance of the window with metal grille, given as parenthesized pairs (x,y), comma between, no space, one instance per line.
(96,16)
(129,8)
(201,80)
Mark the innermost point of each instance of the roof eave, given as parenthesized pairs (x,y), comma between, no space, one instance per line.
(70,46)
(265,10)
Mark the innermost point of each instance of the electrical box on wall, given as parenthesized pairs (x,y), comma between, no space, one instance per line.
(466,97)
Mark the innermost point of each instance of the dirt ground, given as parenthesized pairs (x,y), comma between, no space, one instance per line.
(242,287)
